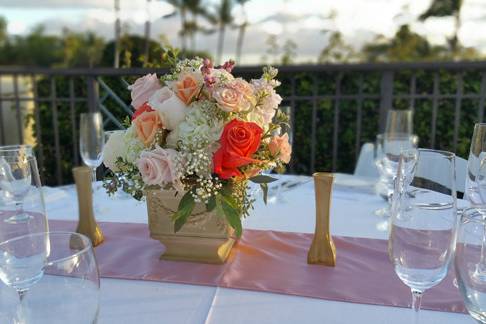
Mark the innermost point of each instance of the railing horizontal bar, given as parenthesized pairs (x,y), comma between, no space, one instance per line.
(46,99)
(477,65)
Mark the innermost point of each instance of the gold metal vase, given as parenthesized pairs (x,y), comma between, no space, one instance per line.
(205,238)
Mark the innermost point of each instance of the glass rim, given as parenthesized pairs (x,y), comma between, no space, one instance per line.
(15,147)
(474,214)
(90,113)
(396,135)
(85,239)
(442,152)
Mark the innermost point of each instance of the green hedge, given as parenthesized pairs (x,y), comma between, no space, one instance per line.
(303,116)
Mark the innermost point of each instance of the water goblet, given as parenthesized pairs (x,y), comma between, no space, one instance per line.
(423,226)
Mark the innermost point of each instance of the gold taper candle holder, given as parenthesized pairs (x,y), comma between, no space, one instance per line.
(322,250)
(87,223)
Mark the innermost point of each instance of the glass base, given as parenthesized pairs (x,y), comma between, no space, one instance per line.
(383,212)
(18,218)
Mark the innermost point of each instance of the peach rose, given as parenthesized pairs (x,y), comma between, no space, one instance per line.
(279,147)
(143,88)
(147,124)
(243,87)
(230,99)
(186,88)
(158,167)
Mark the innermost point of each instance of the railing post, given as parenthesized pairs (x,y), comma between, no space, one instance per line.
(386,97)
(93,94)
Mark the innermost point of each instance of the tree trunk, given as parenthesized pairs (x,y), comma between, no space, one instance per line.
(455,38)
(116,62)
(239,42)
(183,26)
(193,34)
(220,43)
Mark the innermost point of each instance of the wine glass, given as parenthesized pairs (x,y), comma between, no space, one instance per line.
(424,220)
(20,182)
(68,288)
(399,121)
(389,147)
(22,261)
(92,140)
(477,153)
(468,261)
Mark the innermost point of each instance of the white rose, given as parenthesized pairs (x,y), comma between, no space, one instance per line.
(171,109)
(114,148)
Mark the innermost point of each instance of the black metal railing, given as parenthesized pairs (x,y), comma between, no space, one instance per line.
(334,108)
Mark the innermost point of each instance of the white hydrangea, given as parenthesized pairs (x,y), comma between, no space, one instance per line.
(200,130)
(114,148)
(132,145)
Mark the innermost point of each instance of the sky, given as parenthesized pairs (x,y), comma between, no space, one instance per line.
(305,22)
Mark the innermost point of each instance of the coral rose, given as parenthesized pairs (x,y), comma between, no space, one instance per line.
(239,142)
(186,88)
(158,167)
(143,88)
(147,125)
(279,147)
(143,108)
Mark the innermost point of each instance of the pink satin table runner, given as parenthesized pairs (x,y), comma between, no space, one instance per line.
(270,261)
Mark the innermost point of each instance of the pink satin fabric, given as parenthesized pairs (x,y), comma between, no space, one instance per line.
(271,261)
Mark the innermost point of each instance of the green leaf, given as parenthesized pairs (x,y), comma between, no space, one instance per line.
(262,179)
(264,188)
(232,215)
(211,204)
(219,207)
(186,206)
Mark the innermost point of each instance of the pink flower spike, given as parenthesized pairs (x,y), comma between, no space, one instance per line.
(209,81)
(229,65)
(207,66)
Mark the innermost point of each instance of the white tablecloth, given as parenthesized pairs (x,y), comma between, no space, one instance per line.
(128,301)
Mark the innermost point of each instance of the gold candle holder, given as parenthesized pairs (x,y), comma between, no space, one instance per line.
(322,250)
(87,223)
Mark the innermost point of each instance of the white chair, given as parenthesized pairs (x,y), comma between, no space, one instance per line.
(365,167)
(461,173)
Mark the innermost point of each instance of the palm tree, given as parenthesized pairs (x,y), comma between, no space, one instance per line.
(222,19)
(117,34)
(241,29)
(443,8)
(147,33)
(182,7)
(196,8)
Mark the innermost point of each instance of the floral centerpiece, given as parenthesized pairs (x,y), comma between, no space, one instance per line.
(201,134)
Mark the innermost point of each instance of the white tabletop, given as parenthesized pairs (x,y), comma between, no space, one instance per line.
(129,301)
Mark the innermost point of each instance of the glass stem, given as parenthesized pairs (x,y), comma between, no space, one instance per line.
(482,259)
(20,308)
(416,302)
(19,208)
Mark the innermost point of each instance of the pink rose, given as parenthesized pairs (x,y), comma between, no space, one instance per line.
(158,167)
(279,147)
(230,99)
(147,124)
(143,88)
